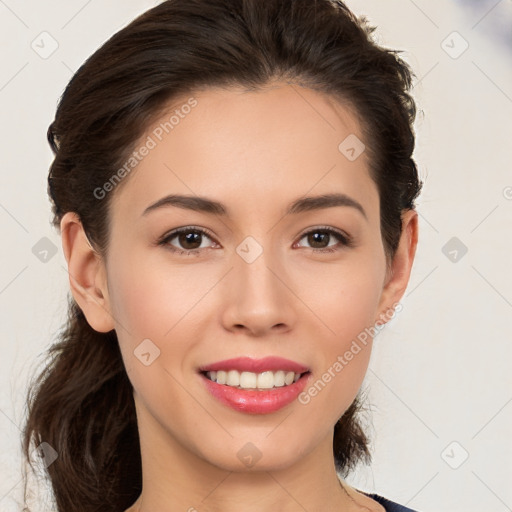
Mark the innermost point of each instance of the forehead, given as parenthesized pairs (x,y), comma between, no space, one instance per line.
(259,149)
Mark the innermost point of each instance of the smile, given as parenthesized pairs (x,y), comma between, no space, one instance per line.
(250,380)
(256,386)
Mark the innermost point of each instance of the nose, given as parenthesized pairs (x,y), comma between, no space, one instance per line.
(258,298)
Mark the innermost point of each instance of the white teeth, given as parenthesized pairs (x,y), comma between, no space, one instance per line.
(221,377)
(250,380)
(279,379)
(247,380)
(265,380)
(233,378)
(288,378)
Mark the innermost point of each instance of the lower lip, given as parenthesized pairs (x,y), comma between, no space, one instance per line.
(254,401)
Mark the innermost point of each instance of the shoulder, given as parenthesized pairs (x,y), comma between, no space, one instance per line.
(375,502)
(390,506)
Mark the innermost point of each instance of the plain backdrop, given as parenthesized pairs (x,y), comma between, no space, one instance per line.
(439,382)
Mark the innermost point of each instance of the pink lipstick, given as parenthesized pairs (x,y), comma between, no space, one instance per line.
(255,386)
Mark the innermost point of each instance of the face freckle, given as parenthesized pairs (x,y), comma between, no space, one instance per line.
(256,292)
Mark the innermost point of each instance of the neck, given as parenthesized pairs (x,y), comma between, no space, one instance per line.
(174,478)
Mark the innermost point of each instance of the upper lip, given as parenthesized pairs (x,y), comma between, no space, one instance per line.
(248,364)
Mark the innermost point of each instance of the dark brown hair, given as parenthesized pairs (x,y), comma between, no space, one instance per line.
(82,404)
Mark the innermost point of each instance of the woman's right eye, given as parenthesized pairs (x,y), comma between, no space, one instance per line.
(188,238)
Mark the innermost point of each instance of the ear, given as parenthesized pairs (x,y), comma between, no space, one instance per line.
(399,271)
(87,274)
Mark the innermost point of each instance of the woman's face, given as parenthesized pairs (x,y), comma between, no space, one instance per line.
(265,282)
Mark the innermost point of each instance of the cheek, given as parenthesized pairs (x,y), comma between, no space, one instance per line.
(345,299)
(149,297)
(150,300)
(343,295)
(353,305)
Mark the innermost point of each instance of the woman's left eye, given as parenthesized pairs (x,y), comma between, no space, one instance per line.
(191,240)
(321,235)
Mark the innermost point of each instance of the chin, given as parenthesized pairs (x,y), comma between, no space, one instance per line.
(247,456)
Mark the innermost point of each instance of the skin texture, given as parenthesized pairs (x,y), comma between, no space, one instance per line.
(255,152)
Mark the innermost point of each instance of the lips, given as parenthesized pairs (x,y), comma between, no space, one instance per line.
(247,364)
(260,400)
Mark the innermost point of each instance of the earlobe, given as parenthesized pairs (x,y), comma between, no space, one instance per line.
(87,274)
(400,270)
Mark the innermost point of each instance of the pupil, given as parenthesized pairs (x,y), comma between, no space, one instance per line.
(188,238)
(318,235)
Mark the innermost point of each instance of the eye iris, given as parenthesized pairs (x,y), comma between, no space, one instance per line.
(318,237)
(189,237)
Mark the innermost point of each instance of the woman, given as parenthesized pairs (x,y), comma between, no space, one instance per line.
(235,191)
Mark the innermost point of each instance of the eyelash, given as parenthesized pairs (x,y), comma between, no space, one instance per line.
(344,239)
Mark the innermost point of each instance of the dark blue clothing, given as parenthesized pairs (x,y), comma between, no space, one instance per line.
(390,506)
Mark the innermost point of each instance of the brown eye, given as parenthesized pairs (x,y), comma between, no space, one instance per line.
(320,239)
(189,240)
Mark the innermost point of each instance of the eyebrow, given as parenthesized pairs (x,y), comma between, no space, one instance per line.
(206,205)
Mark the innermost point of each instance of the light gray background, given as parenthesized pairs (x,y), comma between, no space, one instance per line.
(440,380)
